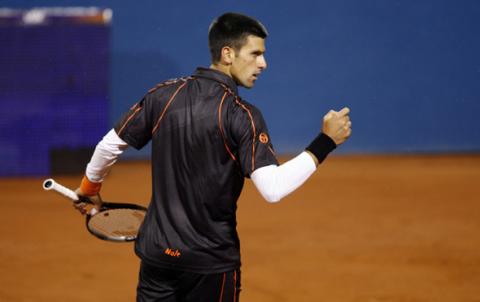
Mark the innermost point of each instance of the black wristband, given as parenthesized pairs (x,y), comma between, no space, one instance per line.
(321,146)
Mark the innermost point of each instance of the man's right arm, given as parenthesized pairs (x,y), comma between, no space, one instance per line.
(106,154)
(104,157)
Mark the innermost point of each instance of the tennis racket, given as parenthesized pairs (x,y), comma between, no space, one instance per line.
(117,222)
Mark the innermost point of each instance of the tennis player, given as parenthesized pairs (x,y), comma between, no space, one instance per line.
(205,141)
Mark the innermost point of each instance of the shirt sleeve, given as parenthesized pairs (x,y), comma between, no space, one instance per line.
(250,133)
(135,127)
(105,155)
(276,182)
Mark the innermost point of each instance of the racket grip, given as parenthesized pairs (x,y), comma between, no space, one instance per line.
(50,184)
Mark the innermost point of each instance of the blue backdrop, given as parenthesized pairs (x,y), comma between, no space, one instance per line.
(409,70)
(54,85)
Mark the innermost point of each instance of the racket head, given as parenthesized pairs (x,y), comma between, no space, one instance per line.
(117,222)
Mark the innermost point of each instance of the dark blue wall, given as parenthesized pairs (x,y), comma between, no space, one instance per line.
(409,70)
(54,88)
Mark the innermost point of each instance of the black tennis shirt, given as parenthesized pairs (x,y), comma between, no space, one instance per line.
(205,141)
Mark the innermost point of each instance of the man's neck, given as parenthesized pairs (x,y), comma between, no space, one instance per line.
(222,68)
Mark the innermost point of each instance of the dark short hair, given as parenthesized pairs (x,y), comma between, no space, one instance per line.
(232,29)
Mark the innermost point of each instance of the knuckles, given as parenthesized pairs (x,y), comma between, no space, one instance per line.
(338,124)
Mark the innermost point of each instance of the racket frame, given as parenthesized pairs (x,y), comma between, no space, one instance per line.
(112,206)
(50,184)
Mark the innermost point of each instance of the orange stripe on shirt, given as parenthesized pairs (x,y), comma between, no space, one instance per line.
(169,82)
(221,128)
(166,107)
(129,118)
(253,129)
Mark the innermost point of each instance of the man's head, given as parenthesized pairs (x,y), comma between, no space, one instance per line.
(237,45)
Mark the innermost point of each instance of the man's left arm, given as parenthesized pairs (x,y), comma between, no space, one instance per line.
(275,182)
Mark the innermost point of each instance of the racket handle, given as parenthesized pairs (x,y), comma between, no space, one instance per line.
(50,184)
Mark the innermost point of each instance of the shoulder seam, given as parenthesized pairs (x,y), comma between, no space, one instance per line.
(170,100)
(170,82)
(220,122)
(253,128)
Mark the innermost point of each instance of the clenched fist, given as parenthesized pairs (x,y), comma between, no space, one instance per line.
(337,125)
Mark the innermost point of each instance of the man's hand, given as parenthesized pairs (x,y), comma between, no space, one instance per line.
(337,125)
(82,207)
(88,190)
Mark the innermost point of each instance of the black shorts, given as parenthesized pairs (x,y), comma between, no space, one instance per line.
(165,285)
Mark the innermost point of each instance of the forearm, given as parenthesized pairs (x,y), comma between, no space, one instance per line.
(275,182)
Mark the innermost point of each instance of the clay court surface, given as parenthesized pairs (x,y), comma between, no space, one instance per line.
(362,229)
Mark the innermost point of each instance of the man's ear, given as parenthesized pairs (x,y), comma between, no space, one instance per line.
(228,54)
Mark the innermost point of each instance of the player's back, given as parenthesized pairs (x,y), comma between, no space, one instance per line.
(196,182)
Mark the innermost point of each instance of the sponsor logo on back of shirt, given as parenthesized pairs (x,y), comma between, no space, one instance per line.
(172,253)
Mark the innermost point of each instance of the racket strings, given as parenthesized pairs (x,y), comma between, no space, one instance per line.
(117,223)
